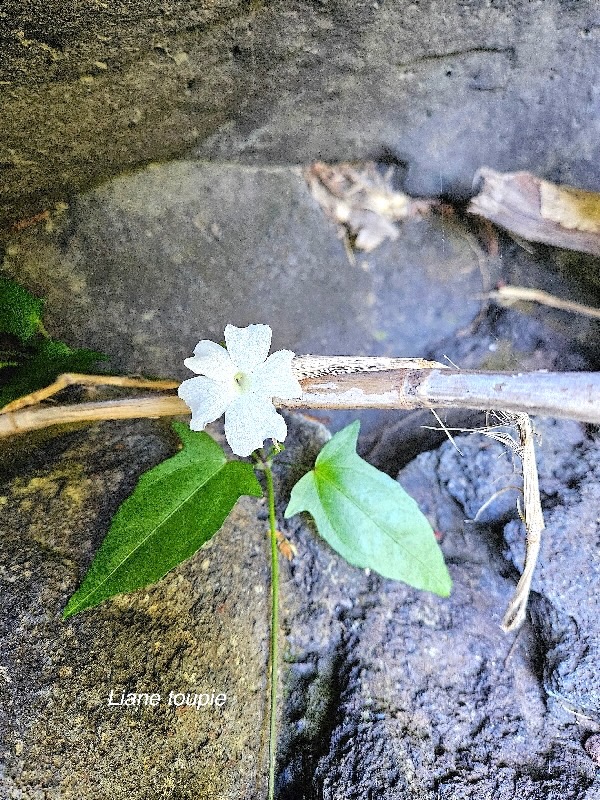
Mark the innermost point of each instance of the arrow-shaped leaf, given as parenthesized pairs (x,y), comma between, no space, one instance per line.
(368,518)
(176,508)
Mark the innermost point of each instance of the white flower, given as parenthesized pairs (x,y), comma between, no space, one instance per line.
(240,381)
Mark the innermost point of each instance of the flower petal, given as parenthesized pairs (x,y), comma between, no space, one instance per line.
(251,419)
(248,347)
(206,398)
(212,360)
(275,377)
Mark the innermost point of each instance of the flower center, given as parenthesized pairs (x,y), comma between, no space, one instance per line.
(241,381)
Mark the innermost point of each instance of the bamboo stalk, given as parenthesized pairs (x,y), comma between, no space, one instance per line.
(574,395)
(570,395)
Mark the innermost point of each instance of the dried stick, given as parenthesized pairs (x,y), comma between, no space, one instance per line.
(342,382)
(78,379)
(510,294)
(532,515)
(533,520)
(348,383)
(32,419)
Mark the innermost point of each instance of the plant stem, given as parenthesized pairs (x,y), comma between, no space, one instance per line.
(273,651)
(364,383)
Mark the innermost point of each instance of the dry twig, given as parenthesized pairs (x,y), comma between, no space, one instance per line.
(506,295)
(342,382)
(78,379)
(534,523)
(532,516)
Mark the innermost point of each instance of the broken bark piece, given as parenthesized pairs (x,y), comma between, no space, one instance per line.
(538,210)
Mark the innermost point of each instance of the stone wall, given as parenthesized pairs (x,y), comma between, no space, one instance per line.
(90,89)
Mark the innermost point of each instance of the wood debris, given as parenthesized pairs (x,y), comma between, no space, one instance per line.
(532,515)
(77,379)
(20,225)
(341,382)
(507,295)
(362,201)
(538,210)
(287,549)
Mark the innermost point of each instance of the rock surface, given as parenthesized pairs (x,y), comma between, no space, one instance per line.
(401,694)
(90,90)
(385,690)
(191,633)
(147,265)
(564,606)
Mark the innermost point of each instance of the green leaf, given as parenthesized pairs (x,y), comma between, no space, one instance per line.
(48,361)
(368,518)
(20,311)
(175,509)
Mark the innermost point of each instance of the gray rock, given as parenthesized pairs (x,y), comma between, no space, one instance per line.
(194,632)
(567,608)
(410,696)
(391,691)
(89,92)
(565,602)
(443,89)
(149,264)
(385,689)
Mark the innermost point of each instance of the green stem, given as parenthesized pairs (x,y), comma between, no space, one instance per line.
(273,652)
